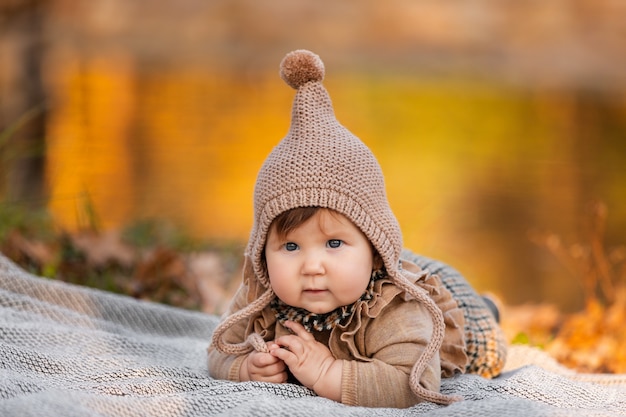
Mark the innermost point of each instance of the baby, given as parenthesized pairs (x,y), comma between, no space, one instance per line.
(329,298)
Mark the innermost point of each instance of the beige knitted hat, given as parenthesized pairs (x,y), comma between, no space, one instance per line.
(320,163)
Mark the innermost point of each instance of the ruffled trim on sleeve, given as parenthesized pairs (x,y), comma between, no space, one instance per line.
(383,292)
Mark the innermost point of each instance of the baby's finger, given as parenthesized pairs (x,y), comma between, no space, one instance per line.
(272,373)
(292,343)
(299,330)
(284,355)
(277,378)
(274,368)
(263,359)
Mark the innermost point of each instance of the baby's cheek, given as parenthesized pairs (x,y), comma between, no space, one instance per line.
(285,289)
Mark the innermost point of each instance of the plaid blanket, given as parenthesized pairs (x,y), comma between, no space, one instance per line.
(69,351)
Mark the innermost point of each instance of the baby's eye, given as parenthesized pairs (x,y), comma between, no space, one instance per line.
(290,246)
(334,243)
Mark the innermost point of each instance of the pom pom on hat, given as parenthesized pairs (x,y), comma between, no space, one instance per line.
(300,67)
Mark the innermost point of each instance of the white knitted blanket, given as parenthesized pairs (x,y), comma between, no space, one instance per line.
(73,351)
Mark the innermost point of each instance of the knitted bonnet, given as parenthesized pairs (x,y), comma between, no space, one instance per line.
(320,163)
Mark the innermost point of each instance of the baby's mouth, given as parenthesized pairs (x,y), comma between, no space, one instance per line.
(314,291)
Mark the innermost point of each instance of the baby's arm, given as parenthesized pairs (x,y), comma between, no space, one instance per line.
(393,341)
(309,361)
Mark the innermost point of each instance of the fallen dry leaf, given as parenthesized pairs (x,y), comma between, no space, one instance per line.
(104,248)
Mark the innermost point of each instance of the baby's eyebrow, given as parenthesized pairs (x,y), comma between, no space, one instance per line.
(334,231)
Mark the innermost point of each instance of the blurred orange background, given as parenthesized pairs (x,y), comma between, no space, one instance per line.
(496,123)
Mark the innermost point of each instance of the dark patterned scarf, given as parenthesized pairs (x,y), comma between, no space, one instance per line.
(326,321)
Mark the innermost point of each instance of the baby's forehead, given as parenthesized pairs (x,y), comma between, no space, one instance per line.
(329,223)
(330,218)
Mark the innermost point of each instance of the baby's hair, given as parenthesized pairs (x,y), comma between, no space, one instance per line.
(289,220)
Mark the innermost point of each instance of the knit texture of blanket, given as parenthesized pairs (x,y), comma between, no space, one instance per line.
(72,351)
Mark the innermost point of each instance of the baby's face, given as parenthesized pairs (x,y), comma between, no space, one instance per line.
(322,264)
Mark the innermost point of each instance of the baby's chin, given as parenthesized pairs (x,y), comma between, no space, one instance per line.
(320,309)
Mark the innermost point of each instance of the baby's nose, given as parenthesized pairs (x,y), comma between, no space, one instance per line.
(313,264)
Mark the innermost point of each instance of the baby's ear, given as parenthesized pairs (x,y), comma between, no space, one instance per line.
(377,262)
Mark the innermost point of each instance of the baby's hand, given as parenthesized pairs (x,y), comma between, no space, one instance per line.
(309,361)
(259,366)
